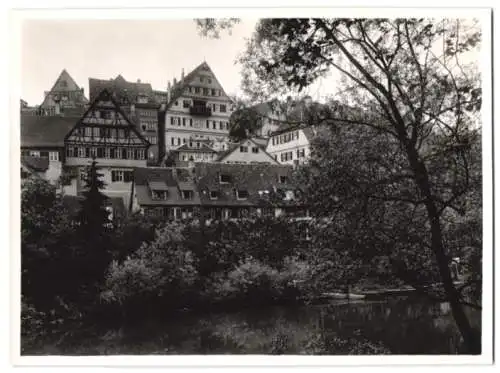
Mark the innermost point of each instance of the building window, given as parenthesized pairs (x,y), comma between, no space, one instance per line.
(186,104)
(93,152)
(214,124)
(255,149)
(121,176)
(140,154)
(213,92)
(151,126)
(242,194)
(70,152)
(118,153)
(201,79)
(214,194)
(159,194)
(283,179)
(184,140)
(88,131)
(81,152)
(222,108)
(196,89)
(209,81)
(273,141)
(107,153)
(184,122)
(205,91)
(96,131)
(208,123)
(187,194)
(130,153)
(173,140)
(224,179)
(243,149)
(214,107)
(35,153)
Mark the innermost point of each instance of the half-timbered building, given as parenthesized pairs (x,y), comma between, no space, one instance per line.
(106,134)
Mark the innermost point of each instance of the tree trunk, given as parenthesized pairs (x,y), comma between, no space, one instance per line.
(472,339)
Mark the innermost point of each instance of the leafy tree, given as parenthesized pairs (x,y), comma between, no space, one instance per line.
(93,232)
(418,101)
(46,230)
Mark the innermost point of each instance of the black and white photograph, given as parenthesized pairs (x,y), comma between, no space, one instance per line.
(254,185)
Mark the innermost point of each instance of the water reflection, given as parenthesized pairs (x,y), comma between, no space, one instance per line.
(398,327)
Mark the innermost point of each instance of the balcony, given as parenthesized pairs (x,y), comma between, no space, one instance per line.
(202,111)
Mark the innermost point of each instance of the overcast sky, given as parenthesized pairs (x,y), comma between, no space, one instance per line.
(150,50)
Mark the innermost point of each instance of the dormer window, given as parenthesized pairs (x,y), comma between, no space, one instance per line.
(255,149)
(244,149)
(224,178)
(214,194)
(242,194)
(159,195)
(283,179)
(187,194)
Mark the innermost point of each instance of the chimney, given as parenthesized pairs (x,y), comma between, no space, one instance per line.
(182,75)
(168,86)
(175,82)
(138,80)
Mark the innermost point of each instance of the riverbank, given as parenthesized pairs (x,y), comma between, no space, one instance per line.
(334,328)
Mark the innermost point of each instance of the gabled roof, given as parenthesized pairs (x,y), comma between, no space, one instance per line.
(45,131)
(121,89)
(105,95)
(262,148)
(64,75)
(178,89)
(35,163)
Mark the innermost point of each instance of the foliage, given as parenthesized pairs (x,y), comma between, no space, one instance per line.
(211,27)
(160,269)
(416,106)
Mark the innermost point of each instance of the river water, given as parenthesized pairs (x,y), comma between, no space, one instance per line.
(397,326)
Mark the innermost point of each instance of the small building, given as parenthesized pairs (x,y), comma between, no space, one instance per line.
(43,137)
(291,145)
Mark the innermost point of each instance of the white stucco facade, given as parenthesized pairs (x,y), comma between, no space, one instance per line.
(291,147)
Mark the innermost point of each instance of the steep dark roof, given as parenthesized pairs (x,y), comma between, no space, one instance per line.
(174,178)
(35,163)
(261,181)
(250,177)
(45,131)
(121,89)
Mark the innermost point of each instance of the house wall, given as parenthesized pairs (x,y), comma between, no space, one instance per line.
(237,156)
(299,143)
